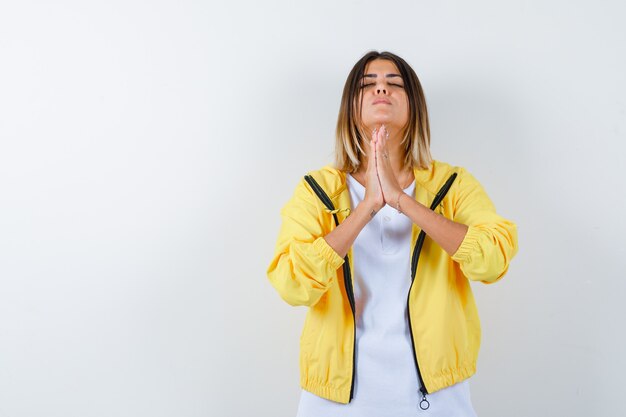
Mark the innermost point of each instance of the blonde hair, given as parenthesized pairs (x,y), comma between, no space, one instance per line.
(350,131)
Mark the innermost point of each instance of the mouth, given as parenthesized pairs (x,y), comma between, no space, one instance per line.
(381,101)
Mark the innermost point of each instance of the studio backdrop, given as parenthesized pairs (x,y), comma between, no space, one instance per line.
(146,149)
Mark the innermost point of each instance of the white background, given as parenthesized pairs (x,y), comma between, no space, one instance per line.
(147,147)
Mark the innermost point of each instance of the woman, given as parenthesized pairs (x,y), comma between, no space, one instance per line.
(382,246)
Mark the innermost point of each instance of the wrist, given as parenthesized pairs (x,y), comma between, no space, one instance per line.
(398,203)
(369,208)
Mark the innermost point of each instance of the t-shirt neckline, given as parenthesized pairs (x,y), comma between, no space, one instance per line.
(361,187)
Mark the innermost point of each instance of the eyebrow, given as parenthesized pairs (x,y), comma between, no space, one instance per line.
(386,75)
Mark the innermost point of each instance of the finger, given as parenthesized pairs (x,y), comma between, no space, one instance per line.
(379,152)
(385,136)
(372,155)
(386,141)
(384,154)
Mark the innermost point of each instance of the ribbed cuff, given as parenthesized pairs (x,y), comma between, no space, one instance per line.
(468,245)
(328,252)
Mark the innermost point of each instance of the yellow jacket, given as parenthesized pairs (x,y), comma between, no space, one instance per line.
(443,317)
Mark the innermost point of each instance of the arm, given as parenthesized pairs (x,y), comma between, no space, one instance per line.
(446,233)
(343,236)
(478,239)
(491,240)
(306,257)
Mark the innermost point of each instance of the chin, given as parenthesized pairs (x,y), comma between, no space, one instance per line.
(380,118)
(381,121)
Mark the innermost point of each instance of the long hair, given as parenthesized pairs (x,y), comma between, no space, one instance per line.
(350,134)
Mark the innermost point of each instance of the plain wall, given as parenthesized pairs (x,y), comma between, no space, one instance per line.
(146,148)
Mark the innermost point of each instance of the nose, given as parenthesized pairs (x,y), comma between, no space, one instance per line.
(379,90)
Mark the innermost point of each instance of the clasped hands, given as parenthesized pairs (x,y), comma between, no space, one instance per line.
(381,185)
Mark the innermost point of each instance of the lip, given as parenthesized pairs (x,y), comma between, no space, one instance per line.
(381,101)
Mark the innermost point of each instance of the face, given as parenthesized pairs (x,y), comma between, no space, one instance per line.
(383,98)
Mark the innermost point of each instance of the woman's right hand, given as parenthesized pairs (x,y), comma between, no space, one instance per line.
(373,192)
(342,237)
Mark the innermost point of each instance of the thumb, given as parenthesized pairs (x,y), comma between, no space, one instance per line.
(372,145)
(372,154)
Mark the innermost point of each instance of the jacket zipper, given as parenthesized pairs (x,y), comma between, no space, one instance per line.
(347,275)
(349,291)
(424,404)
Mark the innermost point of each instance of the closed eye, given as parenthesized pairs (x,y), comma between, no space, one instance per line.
(371,84)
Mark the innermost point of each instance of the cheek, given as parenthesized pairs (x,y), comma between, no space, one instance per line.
(405,109)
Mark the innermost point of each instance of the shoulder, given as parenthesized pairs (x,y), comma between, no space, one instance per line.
(443,170)
(331,179)
(466,190)
(436,175)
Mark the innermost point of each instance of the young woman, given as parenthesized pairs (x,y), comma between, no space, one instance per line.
(382,246)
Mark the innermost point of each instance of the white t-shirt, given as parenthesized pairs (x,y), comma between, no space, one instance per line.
(386,382)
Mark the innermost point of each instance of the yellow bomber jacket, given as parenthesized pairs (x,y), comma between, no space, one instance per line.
(443,317)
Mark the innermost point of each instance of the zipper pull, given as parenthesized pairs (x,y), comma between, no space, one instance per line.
(424,404)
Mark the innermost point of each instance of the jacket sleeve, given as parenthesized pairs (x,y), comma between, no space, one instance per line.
(491,240)
(304,266)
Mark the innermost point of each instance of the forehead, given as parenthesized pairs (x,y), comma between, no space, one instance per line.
(381,66)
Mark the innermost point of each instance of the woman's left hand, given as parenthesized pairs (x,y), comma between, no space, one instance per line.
(389,183)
